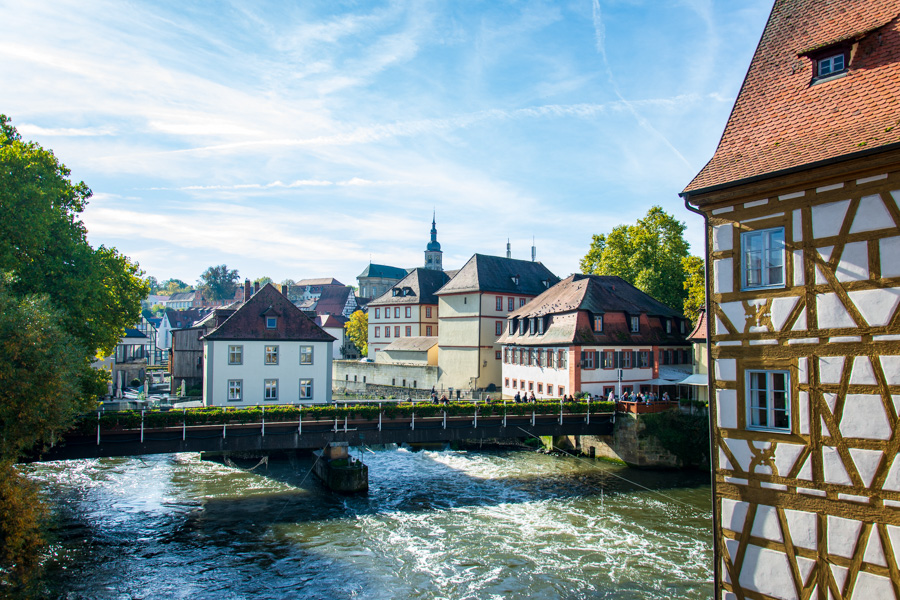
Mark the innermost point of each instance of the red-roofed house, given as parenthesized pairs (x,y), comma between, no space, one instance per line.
(803,240)
(267,352)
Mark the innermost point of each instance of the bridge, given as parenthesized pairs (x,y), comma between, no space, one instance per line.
(279,434)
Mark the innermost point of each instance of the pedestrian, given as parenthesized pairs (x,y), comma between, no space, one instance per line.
(518,397)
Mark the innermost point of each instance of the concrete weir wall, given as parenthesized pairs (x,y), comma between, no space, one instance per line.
(625,444)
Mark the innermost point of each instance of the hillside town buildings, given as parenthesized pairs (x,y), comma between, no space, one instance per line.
(802,218)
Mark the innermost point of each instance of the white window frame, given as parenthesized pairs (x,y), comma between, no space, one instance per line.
(271,322)
(270,352)
(307,351)
(825,67)
(270,389)
(307,386)
(634,324)
(235,390)
(752,404)
(767,237)
(235,355)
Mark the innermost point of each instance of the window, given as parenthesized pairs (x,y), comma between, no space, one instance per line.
(549,389)
(306,389)
(541,325)
(498,326)
(515,383)
(598,323)
(540,389)
(271,322)
(306,355)
(530,386)
(408,312)
(396,312)
(378,332)
(387,332)
(609,359)
(769,402)
(377,313)
(497,354)
(681,326)
(626,360)
(427,312)
(562,391)
(644,359)
(271,355)
(428,330)
(562,359)
(588,359)
(511,304)
(506,382)
(668,325)
(235,390)
(271,389)
(499,303)
(532,325)
(635,323)
(521,302)
(549,358)
(762,258)
(831,65)
(397,331)
(235,355)
(409,331)
(536,356)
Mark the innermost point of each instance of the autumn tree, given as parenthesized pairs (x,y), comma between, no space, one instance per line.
(62,302)
(357,328)
(264,280)
(219,282)
(695,286)
(174,286)
(647,254)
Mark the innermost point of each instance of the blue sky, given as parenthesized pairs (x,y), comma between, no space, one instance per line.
(304,139)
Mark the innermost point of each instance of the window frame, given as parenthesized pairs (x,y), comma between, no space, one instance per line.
(230,388)
(766,249)
(270,355)
(427,312)
(498,328)
(408,331)
(499,304)
(308,386)
(270,384)
(634,324)
(829,57)
(598,323)
(377,313)
(428,331)
(769,390)
(311,354)
(408,312)
(271,322)
(378,332)
(236,350)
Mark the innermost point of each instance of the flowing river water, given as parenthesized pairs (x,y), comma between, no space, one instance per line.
(435,525)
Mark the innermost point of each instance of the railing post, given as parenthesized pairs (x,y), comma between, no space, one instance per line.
(142,426)
(183,424)
(379,416)
(412,424)
(532,417)
(335,423)
(445,418)
(504,418)
(299,421)
(476,418)
(98,427)
(263,420)
(223,430)
(345,423)
(588,420)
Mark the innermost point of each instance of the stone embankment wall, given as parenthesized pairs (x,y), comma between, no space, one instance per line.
(353,374)
(626,445)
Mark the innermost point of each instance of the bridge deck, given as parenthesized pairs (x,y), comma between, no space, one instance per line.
(262,437)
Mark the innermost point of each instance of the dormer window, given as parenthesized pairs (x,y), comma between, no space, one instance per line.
(532,324)
(541,325)
(271,322)
(515,279)
(831,65)
(395,292)
(598,323)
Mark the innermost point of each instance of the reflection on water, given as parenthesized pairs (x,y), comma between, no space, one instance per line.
(448,524)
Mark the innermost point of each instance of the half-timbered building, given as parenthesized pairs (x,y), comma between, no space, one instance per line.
(803,245)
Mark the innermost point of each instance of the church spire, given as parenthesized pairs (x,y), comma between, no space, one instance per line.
(433,254)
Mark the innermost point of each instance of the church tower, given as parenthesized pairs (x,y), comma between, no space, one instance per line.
(433,252)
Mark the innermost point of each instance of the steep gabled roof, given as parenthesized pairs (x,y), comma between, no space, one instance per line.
(419,287)
(701,331)
(331,321)
(595,293)
(186,317)
(485,273)
(319,281)
(333,300)
(249,323)
(782,120)
(383,271)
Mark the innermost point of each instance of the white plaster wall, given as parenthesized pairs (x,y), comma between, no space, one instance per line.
(723,237)
(253,372)
(723,276)
(828,218)
(555,377)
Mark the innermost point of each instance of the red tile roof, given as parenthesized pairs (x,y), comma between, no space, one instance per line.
(781,120)
(701,330)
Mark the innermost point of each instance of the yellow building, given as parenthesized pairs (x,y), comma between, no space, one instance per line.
(803,257)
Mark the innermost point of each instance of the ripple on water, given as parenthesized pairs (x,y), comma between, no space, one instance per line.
(434,525)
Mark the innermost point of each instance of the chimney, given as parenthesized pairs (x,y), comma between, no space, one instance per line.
(246,290)
(284,290)
(533,251)
(508,249)
(255,287)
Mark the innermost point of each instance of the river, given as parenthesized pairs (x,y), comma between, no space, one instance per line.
(435,525)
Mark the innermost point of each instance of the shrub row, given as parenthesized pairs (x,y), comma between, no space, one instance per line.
(131,419)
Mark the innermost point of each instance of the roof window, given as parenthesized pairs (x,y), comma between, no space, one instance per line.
(829,62)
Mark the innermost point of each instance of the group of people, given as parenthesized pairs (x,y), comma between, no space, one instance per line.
(640,397)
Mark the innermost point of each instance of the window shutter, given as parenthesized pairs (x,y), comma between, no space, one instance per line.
(596,359)
(634,359)
(618,359)
(602,359)
(583,358)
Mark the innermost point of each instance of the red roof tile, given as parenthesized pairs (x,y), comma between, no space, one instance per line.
(781,120)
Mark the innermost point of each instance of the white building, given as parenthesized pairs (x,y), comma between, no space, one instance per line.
(267,352)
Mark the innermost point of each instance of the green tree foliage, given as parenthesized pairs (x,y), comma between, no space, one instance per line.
(152,283)
(647,254)
(695,286)
(174,286)
(62,302)
(219,282)
(288,282)
(358,331)
(264,280)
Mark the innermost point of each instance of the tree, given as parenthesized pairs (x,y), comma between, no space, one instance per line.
(152,283)
(358,330)
(219,283)
(695,285)
(62,302)
(174,286)
(288,282)
(263,280)
(647,254)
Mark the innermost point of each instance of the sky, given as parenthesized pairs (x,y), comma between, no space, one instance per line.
(307,139)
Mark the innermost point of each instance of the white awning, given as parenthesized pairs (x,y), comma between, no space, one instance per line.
(701,379)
